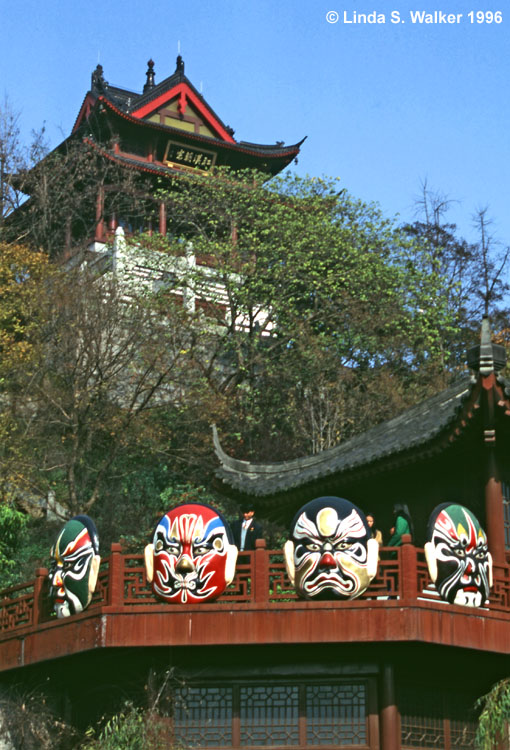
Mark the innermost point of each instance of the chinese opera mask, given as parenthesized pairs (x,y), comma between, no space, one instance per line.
(330,554)
(74,566)
(191,558)
(457,556)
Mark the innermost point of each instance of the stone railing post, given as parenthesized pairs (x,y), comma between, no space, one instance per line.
(116,576)
(41,575)
(261,572)
(408,569)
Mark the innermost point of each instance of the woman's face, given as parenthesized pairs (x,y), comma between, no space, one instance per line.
(370,520)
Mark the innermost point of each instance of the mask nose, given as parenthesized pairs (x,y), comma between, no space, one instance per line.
(327,561)
(57,578)
(185,565)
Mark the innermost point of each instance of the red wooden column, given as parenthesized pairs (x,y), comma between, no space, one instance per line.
(41,574)
(494,511)
(116,576)
(408,570)
(261,572)
(100,230)
(494,515)
(162,218)
(390,734)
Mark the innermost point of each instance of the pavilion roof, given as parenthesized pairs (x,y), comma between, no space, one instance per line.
(138,111)
(421,430)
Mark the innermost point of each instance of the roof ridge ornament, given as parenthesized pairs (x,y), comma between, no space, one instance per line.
(98,83)
(486,357)
(180,65)
(150,76)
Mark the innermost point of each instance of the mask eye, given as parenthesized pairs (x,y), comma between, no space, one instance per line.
(77,565)
(202,549)
(158,546)
(343,545)
(460,552)
(312,547)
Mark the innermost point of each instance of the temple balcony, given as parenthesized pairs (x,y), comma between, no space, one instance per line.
(260,607)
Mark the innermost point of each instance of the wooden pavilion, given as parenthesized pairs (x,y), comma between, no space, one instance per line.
(395,668)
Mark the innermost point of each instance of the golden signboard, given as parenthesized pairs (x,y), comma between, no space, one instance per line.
(187,156)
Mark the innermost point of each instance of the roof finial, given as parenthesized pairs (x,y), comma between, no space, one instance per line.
(487,357)
(150,76)
(180,65)
(98,82)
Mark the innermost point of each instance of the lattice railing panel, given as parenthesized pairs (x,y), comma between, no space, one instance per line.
(280,588)
(269,715)
(500,592)
(336,715)
(17,606)
(386,584)
(136,588)
(100,597)
(240,590)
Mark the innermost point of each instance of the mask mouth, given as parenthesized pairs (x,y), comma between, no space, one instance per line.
(186,582)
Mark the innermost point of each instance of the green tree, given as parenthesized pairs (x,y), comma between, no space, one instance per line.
(104,365)
(474,274)
(309,294)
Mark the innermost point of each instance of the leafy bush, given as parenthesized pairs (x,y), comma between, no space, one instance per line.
(12,530)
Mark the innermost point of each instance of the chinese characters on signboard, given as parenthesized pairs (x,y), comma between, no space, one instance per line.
(187,156)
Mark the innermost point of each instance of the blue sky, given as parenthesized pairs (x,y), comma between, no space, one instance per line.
(384,106)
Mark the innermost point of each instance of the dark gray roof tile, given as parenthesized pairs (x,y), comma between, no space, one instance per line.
(413,428)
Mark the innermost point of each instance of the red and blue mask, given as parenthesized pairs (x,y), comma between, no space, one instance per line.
(191,558)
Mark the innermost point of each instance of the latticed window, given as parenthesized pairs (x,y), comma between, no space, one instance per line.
(276,715)
(336,715)
(429,718)
(203,716)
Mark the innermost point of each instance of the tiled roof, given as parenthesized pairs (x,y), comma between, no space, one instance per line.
(414,428)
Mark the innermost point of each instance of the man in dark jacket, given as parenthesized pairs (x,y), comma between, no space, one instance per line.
(246,531)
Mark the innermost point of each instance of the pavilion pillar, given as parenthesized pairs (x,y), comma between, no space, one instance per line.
(116,576)
(260,560)
(494,513)
(100,228)
(487,360)
(162,218)
(390,735)
(38,612)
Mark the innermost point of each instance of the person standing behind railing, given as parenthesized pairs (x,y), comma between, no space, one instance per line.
(247,530)
(402,525)
(375,532)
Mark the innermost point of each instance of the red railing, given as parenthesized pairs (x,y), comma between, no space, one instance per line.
(260,581)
